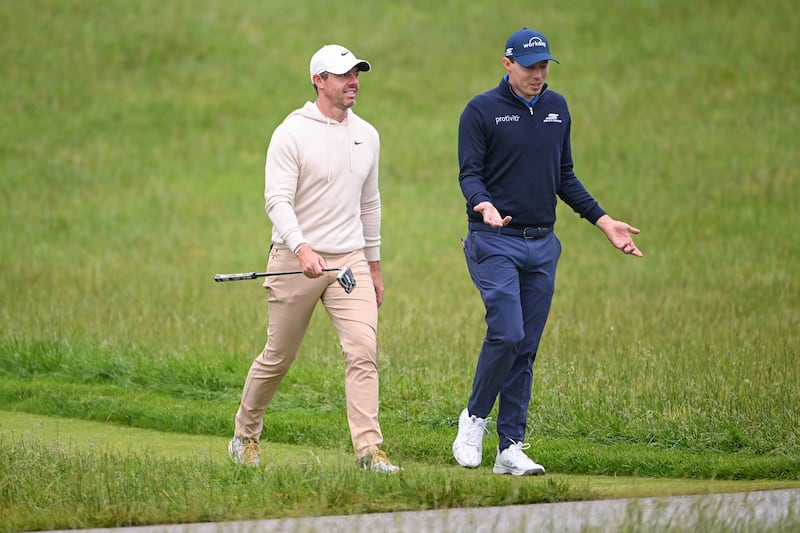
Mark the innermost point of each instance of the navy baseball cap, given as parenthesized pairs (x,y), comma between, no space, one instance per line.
(527,47)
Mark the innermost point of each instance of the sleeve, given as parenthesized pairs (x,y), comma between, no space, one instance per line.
(471,153)
(280,184)
(570,188)
(371,208)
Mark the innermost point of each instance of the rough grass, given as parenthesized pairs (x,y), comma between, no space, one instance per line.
(131,161)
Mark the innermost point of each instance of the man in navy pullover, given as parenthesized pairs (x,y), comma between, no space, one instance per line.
(515,162)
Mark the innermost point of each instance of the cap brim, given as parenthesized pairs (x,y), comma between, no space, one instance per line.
(531,59)
(344,68)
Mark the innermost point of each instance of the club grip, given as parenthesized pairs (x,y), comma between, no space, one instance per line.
(235,277)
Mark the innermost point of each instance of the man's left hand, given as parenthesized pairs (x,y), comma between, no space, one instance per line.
(619,233)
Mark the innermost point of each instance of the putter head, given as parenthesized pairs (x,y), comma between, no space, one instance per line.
(347,280)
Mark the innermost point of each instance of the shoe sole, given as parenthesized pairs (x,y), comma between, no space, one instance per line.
(529,472)
(395,470)
(465,465)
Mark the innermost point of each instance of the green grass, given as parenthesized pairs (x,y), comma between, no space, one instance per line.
(61,472)
(132,142)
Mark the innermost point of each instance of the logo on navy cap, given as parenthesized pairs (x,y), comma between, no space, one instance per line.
(535,41)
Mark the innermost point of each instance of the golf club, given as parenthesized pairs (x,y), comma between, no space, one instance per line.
(345,277)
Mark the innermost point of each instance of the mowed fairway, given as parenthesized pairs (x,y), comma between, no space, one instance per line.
(132,142)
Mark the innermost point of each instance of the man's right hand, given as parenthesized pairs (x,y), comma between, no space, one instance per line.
(311,263)
(491,215)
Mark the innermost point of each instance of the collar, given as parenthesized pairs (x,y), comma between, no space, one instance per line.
(521,99)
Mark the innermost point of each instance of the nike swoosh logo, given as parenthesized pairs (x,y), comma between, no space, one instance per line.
(345,53)
(358,142)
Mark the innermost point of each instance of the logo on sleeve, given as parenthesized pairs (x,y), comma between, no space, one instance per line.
(552,117)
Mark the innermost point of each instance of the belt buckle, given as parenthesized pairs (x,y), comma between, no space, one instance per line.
(537,232)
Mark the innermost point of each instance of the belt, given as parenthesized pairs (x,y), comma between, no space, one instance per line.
(529,232)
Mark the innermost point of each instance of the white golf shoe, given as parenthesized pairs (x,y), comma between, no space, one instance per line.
(244,451)
(513,461)
(468,446)
(376,461)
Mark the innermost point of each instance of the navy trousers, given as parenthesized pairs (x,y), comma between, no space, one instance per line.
(516,280)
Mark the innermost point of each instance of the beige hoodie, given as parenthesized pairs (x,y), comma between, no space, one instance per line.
(322,183)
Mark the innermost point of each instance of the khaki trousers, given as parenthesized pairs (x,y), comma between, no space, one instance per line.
(292,300)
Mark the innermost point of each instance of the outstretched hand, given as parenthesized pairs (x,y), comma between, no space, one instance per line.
(619,233)
(491,215)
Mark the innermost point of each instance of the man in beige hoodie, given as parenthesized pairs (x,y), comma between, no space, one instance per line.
(322,198)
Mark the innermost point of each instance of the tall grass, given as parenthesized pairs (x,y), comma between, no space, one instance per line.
(67,487)
(132,142)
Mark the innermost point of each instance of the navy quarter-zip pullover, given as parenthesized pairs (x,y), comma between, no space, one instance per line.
(519,158)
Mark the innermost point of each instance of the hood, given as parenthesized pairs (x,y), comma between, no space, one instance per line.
(310,111)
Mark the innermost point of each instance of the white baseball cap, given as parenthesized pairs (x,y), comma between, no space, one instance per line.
(336,60)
